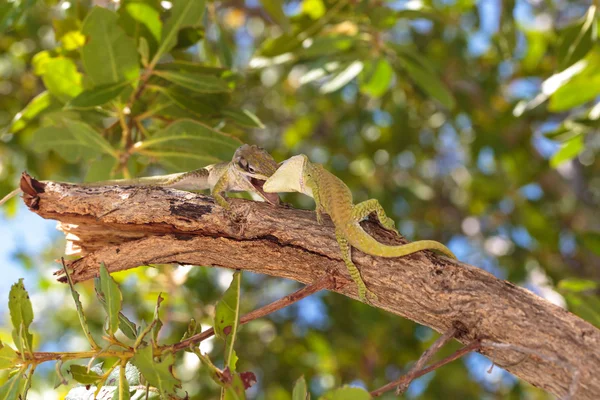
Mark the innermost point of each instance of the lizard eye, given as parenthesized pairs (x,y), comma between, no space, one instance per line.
(251,169)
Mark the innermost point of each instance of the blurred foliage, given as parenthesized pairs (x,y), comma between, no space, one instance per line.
(473,123)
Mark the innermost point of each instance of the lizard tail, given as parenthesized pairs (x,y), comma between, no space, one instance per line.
(197,179)
(360,239)
(180,180)
(10,196)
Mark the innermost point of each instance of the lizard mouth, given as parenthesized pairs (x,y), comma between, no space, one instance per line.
(272,198)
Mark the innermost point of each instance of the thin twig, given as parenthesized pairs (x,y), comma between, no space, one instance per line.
(80,314)
(258,313)
(572,369)
(473,346)
(424,359)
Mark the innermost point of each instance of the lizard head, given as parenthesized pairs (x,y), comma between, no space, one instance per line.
(256,165)
(289,177)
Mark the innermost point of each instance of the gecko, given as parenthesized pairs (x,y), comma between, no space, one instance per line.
(332,196)
(246,172)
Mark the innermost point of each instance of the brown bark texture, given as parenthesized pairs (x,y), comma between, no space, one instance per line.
(126,227)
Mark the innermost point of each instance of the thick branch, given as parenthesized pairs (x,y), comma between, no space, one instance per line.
(126,227)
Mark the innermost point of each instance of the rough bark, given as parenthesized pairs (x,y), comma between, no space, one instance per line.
(126,227)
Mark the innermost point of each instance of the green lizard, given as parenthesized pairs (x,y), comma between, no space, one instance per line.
(246,172)
(332,196)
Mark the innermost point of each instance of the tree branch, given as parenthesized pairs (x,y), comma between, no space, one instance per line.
(126,227)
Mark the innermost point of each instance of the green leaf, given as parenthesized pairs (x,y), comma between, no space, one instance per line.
(62,79)
(72,40)
(575,85)
(72,140)
(79,307)
(343,77)
(200,83)
(108,291)
(184,13)
(86,135)
(63,26)
(577,39)
(190,144)
(191,66)
(146,15)
(577,285)
(281,44)
(82,375)
(591,241)
(376,77)
(347,393)
(141,20)
(39,62)
(62,142)
(235,389)
(157,373)
(40,103)
(315,9)
(569,150)
(227,315)
(144,51)
(109,56)
(97,96)
(429,82)
(537,45)
(328,46)
(225,46)
(185,133)
(8,357)
(300,390)
(584,305)
(200,105)
(275,10)
(12,12)
(574,93)
(13,387)
(128,328)
(382,18)
(21,316)
(157,323)
(109,388)
(175,161)
(101,169)
(192,329)
(243,118)
(122,391)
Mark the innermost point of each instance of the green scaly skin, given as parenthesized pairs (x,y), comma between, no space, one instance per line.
(333,197)
(246,172)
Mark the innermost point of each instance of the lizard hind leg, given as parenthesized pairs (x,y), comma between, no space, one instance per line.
(363,291)
(363,209)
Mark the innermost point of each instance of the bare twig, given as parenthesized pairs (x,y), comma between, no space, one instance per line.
(473,346)
(425,357)
(260,312)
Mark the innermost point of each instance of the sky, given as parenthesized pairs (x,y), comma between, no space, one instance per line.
(24,232)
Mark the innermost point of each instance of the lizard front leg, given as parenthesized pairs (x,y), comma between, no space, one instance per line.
(220,187)
(319,206)
(362,210)
(363,291)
